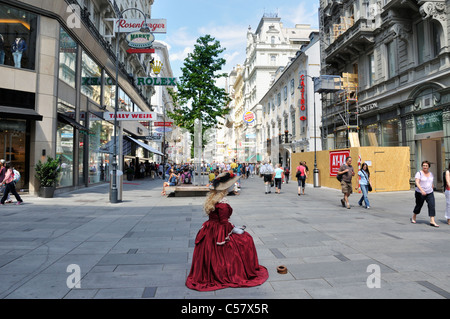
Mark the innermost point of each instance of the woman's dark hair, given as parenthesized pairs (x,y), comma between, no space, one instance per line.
(426,162)
(365,170)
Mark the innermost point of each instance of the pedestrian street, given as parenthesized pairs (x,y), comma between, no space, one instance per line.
(142,247)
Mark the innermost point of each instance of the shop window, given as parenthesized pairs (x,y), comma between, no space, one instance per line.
(101,141)
(109,96)
(370,136)
(67,58)
(390,133)
(91,75)
(18,30)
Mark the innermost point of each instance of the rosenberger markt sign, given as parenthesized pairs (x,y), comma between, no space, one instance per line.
(131,25)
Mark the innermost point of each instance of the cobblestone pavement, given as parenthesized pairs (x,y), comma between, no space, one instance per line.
(142,247)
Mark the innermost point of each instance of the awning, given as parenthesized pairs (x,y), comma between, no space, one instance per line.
(109,147)
(151,149)
(19,113)
(68,120)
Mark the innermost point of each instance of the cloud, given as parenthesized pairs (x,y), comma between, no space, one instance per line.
(181,55)
(306,12)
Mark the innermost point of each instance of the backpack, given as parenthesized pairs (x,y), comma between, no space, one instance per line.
(186,178)
(16,176)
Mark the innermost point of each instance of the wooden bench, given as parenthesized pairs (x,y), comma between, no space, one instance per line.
(187,190)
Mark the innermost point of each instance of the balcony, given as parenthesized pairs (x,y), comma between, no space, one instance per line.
(351,42)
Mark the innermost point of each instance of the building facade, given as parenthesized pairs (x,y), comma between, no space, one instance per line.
(270,47)
(55,93)
(291,110)
(393,60)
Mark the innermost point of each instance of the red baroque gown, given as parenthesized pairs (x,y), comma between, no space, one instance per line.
(224,259)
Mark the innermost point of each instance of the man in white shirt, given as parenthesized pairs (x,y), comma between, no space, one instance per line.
(267,172)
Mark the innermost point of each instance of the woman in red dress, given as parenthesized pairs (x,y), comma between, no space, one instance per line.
(223,258)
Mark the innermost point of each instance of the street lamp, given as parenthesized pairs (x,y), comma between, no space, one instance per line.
(146,29)
(164,141)
(316,180)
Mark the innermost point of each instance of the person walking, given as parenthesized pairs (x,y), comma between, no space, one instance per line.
(286,174)
(10,185)
(224,255)
(364,184)
(279,176)
(301,176)
(267,172)
(447,193)
(2,177)
(347,172)
(424,192)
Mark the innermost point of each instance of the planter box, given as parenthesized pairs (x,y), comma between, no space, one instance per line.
(46,192)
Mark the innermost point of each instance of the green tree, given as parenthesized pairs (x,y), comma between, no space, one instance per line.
(197,96)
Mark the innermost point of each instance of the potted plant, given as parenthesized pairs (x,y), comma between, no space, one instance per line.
(130,173)
(47,174)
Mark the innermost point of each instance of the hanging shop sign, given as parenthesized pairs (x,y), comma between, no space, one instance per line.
(337,159)
(140,40)
(249,117)
(130,116)
(146,50)
(168,124)
(302,98)
(156,81)
(130,25)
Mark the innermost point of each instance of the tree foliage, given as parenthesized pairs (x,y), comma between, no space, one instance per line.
(197,96)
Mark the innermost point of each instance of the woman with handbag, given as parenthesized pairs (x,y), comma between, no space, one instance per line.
(365,185)
(301,175)
(224,255)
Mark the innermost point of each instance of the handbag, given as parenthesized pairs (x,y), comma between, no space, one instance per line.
(369,187)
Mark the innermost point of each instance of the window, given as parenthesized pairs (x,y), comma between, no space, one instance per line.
(67,58)
(391,59)
(370,138)
(285,93)
(91,78)
(292,86)
(371,69)
(436,30)
(278,99)
(64,145)
(390,133)
(420,42)
(18,30)
(293,124)
(273,60)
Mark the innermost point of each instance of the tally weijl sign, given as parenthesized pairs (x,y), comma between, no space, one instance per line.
(130,116)
(131,25)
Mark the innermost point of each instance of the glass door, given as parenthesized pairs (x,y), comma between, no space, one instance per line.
(13,147)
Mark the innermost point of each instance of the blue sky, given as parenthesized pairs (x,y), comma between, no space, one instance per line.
(227,21)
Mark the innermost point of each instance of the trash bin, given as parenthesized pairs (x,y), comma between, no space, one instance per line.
(119,184)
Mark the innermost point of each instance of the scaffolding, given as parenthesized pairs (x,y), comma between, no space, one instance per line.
(341,109)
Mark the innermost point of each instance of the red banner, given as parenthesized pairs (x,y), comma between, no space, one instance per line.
(337,159)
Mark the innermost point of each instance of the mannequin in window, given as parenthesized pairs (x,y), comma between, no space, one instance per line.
(2,50)
(18,47)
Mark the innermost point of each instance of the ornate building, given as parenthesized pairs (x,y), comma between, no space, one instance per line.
(393,60)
